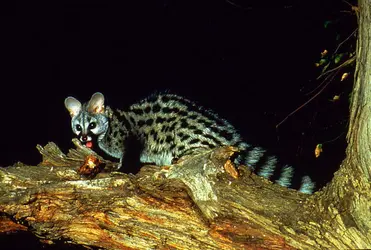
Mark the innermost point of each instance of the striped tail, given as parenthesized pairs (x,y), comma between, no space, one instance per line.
(265,165)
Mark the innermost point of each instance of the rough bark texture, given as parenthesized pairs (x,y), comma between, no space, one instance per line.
(200,202)
(152,209)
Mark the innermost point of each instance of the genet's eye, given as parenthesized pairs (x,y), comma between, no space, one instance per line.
(92,125)
(78,127)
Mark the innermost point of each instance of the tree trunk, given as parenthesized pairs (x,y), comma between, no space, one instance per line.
(201,202)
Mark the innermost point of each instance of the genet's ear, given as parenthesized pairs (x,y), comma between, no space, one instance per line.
(96,103)
(72,105)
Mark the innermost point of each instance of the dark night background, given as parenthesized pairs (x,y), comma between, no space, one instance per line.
(250,62)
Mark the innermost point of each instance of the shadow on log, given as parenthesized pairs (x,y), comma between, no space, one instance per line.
(201,202)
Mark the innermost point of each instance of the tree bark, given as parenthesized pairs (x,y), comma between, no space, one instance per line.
(201,202)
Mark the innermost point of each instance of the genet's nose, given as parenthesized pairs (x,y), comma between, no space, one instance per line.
(84,138)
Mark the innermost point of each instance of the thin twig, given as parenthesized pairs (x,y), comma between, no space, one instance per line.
(346,63)
(237,5)
(312,98)
(346,39)
(337,137)
(318,85)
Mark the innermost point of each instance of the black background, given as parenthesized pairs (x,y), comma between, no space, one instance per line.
(250,62)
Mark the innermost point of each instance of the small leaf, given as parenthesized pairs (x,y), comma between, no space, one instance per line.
(321,62)
(344,76)
(326,24)
(324,53)
(325,67)
(318,150)
(336,98)
(338,58)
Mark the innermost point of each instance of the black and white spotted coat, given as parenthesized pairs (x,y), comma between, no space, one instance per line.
(168,127)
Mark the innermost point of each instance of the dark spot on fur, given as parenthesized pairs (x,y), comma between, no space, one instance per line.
(141,123)
(156,108)
(206,143)
(147,109)
(172,127)
(149,122)
(160,120)
(183,123)
(171,119)
(214,129)
(164,128)
(154,134)
(137,111)
(194,141)
(205,123)
(169,139)
(198,132)
(226,134)
(215,140)
(115,133)
(185,137)
(133,120)
(165,98)
(182,113)
(193,117)
(166,110)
